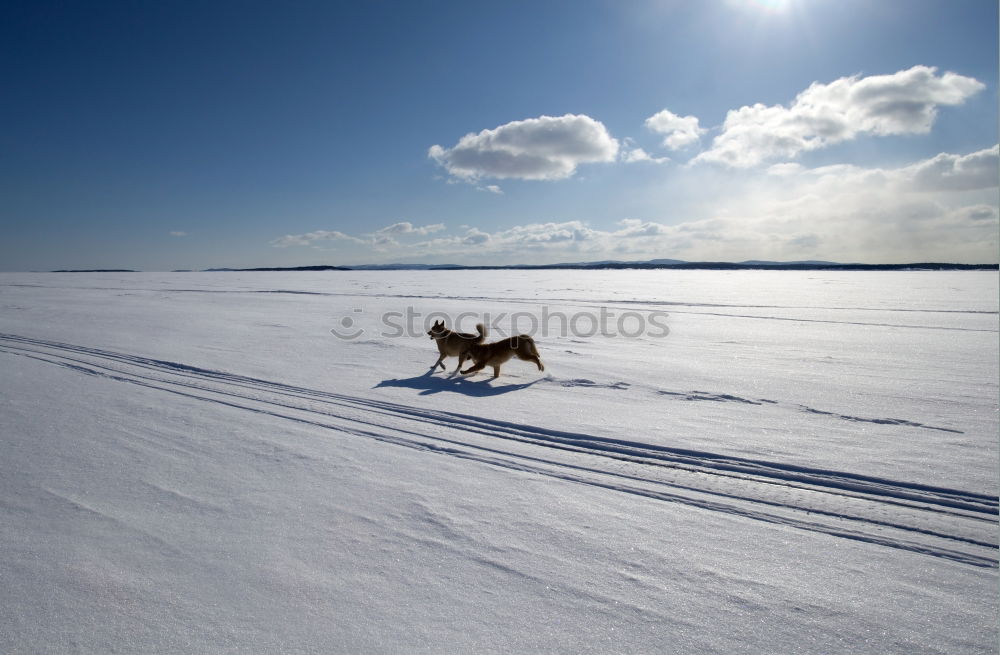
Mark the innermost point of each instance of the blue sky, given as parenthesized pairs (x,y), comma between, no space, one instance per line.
(173,135)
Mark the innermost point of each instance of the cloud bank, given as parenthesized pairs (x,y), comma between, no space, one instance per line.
(947,172)
(311,237)
(406,227)
(943,208)
(379,238)
(905,102)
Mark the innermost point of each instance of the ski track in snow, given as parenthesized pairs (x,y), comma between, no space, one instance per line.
(952,524)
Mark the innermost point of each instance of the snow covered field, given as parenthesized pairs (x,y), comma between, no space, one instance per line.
(196,463)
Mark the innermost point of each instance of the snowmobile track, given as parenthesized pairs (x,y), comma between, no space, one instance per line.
(947,523)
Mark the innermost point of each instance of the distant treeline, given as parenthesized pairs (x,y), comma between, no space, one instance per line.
(710,266)
(294,268)
(729,266)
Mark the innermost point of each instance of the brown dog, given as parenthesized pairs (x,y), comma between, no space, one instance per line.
(495,354)
(454,344)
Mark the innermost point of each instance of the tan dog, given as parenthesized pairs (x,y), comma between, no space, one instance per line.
(454,344)
(495,354)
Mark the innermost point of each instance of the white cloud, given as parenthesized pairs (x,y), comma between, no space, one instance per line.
(633,228)
(947,172)
(475,237)
(516,240)
(492,188)
(905,102)
(680,131)
(405,227)
(634,155)
(178,233)
(383,242)
(785,168)
(543,148)
(381,238)
(545,233)
(309,238)
(977,214)
(944,172)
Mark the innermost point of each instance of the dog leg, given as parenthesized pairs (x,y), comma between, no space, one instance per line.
(533,356)
(496,371)
(439,362)
(474,369)
(461,360)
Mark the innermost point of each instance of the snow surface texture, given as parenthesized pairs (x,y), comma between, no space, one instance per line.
(194,463)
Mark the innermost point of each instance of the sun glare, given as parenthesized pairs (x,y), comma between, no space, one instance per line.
(772,6)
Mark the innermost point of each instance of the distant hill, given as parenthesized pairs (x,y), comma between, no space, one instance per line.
(95,270)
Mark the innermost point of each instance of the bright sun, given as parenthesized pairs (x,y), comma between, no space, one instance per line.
(768,5)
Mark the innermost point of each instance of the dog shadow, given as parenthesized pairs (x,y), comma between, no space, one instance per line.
(428,383)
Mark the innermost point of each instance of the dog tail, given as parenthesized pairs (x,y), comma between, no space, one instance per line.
(481,329)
